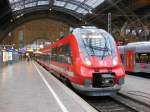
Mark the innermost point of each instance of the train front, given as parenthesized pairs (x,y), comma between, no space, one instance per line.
(99,67)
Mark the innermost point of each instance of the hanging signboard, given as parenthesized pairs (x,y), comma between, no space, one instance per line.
(10,55)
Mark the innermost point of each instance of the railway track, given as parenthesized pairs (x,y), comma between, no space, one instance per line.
(116,103)
(108,104)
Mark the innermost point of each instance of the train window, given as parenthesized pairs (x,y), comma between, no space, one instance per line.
(54,54)
(62,54)
(137,58)
(68,56)
(45,57)
(143,58)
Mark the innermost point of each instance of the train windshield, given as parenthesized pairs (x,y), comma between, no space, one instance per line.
(96,42)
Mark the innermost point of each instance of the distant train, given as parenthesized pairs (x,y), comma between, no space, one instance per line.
(136,57)
(88,59)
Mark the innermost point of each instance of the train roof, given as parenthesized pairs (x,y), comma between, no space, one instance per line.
(121,49)
(137,46)
(138,43)
(89,27)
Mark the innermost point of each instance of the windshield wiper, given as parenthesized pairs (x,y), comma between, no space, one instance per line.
(85,46)
(92,47)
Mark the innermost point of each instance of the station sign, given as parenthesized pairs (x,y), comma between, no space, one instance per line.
(5,56)
(10,56)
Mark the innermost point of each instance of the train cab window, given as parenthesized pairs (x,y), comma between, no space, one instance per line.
(96,42)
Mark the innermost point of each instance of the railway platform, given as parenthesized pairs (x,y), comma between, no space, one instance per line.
(137,88)
(28,87)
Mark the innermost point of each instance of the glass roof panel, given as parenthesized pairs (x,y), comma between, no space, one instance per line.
(80,0)
(21,4)
(43,2)
(30,5)
(14,1)
(71,6)
(82,11)
(78,6)
(94,3)
(28,1)
(59,3)
(18,8)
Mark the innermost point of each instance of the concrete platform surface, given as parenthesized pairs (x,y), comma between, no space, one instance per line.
(137,88)
(28,87)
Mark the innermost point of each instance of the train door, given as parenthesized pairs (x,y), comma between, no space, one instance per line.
(130,61)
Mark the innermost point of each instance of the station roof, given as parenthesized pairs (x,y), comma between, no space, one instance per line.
(75,6)
(79,12)
(15,12)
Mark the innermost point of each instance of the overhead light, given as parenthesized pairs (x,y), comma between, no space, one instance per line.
(41,46)
(11,20)
(18,16)
(9,34)
(21,14)
(90,12)
(29,49)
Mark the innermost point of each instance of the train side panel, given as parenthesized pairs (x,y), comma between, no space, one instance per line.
(130,61)
(136,57)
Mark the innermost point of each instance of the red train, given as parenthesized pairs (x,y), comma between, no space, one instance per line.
(88,59)
(136,57)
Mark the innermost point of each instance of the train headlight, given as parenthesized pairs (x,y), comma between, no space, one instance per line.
(115,60)
(87,62)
